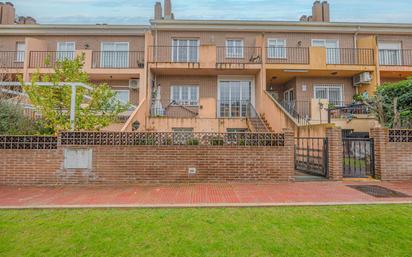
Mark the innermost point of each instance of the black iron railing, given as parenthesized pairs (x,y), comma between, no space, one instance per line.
(388,57)
(48,59)
(358,157)
(311,155)
(174,108)
(117,59)
(350,56)
(240,55)
(348,111)
(173,54)
(287,55)
(291,108)
(12,59)
(172,138)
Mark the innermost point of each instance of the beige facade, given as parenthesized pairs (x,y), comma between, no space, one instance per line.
(264,64)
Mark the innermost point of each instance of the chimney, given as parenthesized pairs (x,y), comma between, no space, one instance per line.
(8,14)
(168,10)
(158,11)
(326,11)
(317,13)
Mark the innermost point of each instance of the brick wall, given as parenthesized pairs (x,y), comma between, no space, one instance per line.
(393,160)
(335,153)
(152,164)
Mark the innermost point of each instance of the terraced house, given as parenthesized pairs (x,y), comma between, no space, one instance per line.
(221,75)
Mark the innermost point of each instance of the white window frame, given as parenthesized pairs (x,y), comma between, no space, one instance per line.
(61,55)
(239,78)
(273,52)
(188,59)
(123,90)
(287,94)
(180,100)
(20,54)
(115,64)
(332,54)
(231,51)
(383,52)
(328,86)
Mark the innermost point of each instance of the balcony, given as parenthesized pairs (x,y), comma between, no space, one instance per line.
(12,59)
(118,59)
(389,57)
(48,59)
(287,55)
(174,54)
(238,55)
(350,56)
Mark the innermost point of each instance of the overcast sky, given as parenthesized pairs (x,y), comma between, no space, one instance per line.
(140,11)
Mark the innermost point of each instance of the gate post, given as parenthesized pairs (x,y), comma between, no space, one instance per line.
(290,149)
(380,137)
(335,153)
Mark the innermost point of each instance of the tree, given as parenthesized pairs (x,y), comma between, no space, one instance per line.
(94,110)
(393,104)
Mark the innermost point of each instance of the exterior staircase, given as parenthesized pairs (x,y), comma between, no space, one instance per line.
(256,122)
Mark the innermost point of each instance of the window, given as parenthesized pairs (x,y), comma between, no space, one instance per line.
(277,48)
(234,98)
(331,92)
(234,48)
(390,53)
(123,96)
(237,130)
(185,50)
(66,50)
(332,49)
(185,95)
(114,55)
(20,51)
(289,95)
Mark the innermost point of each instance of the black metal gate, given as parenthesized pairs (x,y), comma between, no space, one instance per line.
(358,158)
(311,155)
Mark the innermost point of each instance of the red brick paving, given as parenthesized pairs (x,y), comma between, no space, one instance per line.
(196,195)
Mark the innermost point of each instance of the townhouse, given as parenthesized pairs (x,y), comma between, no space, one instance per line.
(222,75)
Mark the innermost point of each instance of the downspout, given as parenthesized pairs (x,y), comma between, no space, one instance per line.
(355,45)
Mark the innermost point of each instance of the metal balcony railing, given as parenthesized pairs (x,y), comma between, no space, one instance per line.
(173,54)
(12,59)
(350,56)
(389,57)
(287,55)
(174,109)
(117,59)
(48,59)
(238,55)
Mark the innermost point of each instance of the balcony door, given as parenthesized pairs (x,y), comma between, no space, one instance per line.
(66,50)
(185,50)
(390,53)
(114,55)
(20,51)
(234,98)
(332,49)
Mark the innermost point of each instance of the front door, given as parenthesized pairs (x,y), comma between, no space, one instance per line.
(234,98)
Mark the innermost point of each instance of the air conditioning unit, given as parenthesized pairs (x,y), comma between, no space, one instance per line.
(362,79)
(134,84)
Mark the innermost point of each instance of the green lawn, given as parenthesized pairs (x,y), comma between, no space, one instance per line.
(299,231)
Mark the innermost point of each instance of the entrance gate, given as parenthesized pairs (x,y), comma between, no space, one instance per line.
(358,158)
(311,155)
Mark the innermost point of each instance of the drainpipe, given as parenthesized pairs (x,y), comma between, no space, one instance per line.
(355,44)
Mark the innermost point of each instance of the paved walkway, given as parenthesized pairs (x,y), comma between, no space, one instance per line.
(308,193)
